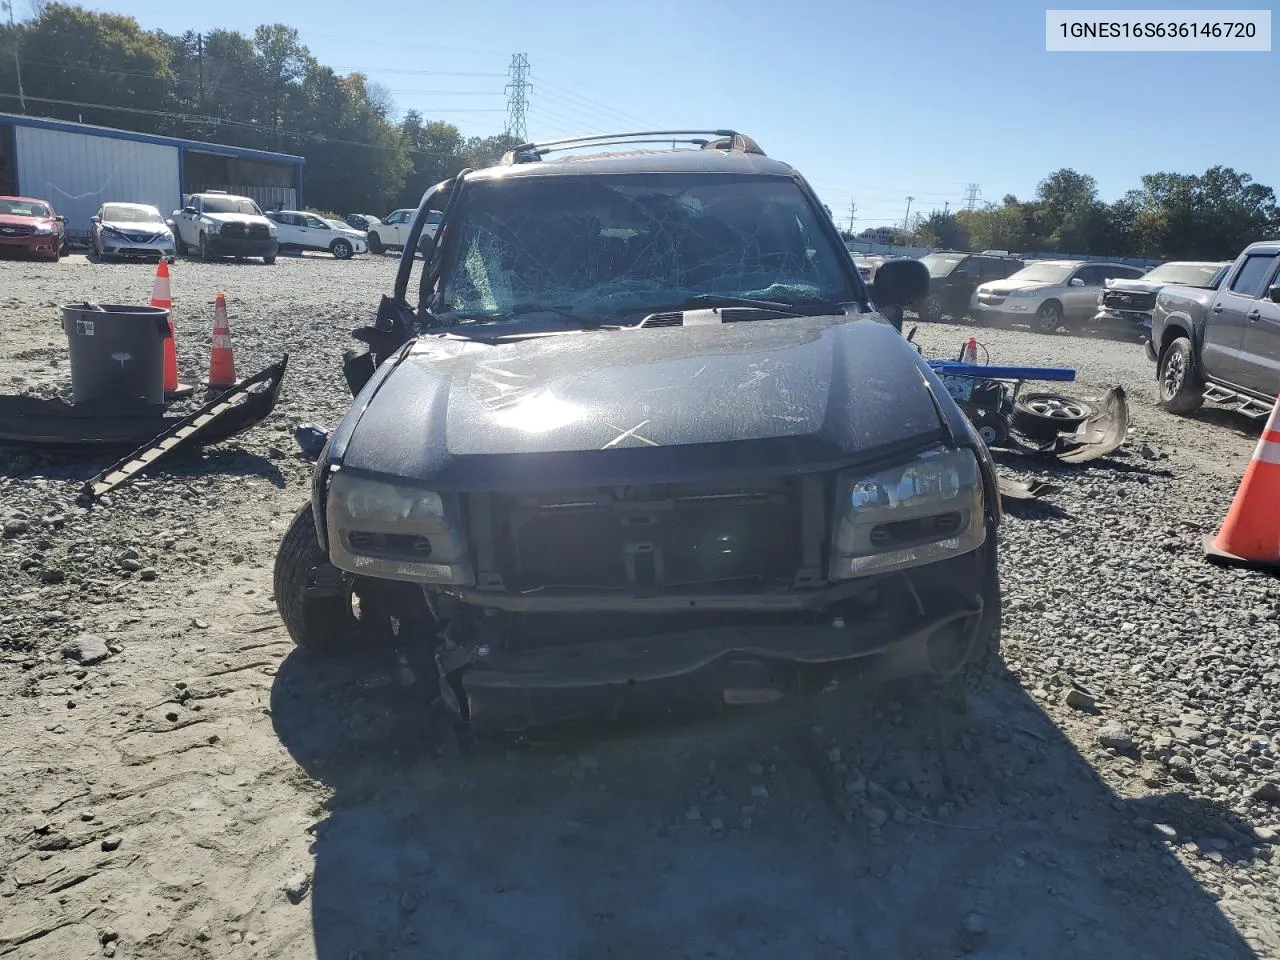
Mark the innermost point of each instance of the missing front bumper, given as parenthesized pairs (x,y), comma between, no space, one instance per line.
(679,674)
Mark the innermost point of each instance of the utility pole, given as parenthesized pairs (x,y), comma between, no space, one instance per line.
(971,196)
(518,96)
(853,209)
(17,60)
(946,207)
(906,219)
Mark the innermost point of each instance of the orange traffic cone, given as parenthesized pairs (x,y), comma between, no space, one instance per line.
(222,361)
(1250,535)
(160,297)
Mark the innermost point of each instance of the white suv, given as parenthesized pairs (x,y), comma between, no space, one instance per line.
(299,230)
(218,224)
(1047,294)
(393,231)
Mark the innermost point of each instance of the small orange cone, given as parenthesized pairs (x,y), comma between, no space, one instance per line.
(1250,535)
(161,297)
(222,361)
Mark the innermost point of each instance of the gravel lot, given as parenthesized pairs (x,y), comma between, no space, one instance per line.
(201,789)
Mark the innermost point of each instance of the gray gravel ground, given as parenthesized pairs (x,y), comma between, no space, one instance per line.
(176,780)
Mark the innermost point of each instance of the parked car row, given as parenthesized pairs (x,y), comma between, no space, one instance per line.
(995,287)
(210,225)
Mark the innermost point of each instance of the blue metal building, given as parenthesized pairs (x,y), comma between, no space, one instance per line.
(77,167)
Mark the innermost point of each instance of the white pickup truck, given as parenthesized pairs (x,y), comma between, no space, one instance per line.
(217,224)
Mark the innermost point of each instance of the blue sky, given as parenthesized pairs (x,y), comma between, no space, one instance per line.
(873,102)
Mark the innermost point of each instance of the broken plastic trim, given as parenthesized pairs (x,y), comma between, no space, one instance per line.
(226,415)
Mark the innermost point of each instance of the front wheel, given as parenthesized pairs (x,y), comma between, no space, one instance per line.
(206,254)
(179,245)
(269,259)
(1179,385)
(375,244)
(342,249)
(1048,317)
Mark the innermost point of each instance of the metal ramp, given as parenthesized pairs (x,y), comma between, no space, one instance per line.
(1249,406)
(227,414)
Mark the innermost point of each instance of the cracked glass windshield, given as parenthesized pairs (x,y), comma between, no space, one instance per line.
(610,247)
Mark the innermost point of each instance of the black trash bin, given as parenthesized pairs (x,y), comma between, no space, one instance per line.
(117,352)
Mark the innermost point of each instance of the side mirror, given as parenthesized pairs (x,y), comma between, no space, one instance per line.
(900,283)
(1273,293)
(1076,282)
(95,219)
(60,218)
(189,211)
(170,224)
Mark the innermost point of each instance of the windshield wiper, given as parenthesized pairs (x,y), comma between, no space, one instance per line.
(708,300)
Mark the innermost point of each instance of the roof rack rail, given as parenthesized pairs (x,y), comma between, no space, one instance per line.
(719,140)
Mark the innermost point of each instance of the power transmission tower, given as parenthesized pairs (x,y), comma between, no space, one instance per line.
(853,209)
(518,96)
(906,219)
(200,68)
(971,196)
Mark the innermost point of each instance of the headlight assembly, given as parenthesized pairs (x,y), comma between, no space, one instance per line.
(394,531)
(908,515)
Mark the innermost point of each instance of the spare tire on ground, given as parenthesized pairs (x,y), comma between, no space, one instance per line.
(1042,416)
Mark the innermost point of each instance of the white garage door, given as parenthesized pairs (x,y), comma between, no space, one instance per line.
(77,173)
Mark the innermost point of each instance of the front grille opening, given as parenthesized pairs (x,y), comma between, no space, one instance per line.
(661,538)
(905,533)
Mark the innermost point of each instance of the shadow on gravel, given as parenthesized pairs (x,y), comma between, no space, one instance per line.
(932,832)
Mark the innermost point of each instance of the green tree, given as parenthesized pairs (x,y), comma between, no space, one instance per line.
(942,230)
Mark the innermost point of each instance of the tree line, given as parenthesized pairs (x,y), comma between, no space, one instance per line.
(264,91)
(1171,216)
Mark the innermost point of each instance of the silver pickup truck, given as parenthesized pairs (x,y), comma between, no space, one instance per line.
(1221,345)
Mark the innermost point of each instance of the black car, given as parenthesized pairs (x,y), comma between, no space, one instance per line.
(361,221)
(954,275)
(635,437)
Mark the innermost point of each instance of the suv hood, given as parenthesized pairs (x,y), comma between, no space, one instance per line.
(13,220)
(735,396)
(1004,286)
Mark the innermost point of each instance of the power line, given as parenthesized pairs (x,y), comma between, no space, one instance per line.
(518,96)
(588,102)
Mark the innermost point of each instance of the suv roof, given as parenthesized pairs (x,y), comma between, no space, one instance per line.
(706,151)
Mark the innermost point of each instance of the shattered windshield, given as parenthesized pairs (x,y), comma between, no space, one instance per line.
(591,245)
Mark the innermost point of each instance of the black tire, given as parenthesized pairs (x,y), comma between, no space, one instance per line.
(342,249)
(992,429)
(375,244)
(205,253)
(269,260)
(1177,378)
(322,623)
(930,309)
(179,245)
(1042,416)
(1048,318)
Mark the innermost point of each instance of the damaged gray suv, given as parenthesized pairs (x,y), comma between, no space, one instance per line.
(636,438)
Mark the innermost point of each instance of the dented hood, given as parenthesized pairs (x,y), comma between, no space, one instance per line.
(779,393)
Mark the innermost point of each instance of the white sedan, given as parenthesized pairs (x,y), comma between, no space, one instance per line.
(299,230)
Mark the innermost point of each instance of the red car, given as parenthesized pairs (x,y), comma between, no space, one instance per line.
(31,226)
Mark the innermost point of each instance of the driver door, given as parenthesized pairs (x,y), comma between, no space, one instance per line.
(1080,295)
